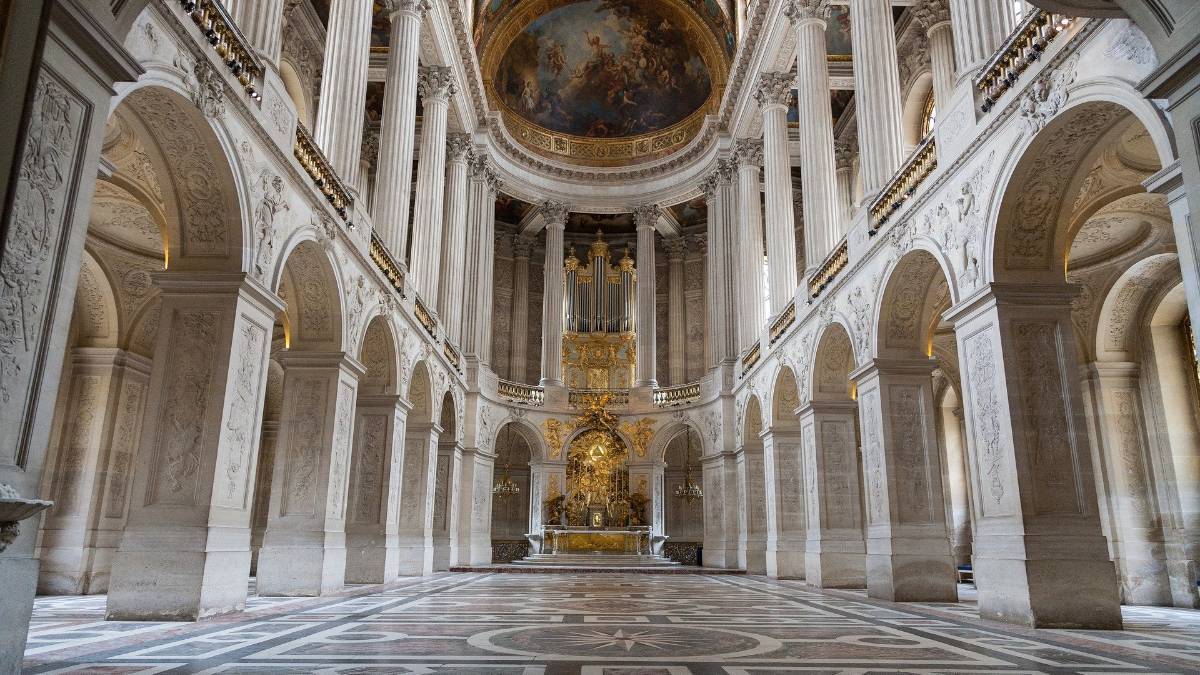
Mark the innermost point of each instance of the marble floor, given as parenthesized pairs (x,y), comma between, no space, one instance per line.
(602,624)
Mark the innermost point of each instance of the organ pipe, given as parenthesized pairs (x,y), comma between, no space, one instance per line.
(599,297)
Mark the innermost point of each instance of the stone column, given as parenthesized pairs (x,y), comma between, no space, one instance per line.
(446,503)
(373,513)
(436,84)
(979,27)
(721,299)
(187,535)
(752,507)
(843,157)
(393,180)
(519,344)
(749,156)
(720,551)
(88,475)
(956,483)
(454,244)
(261,21)
(818,179)
(646,219)
(304,547)
(877,91)
(344,86)
(834,556)
(552,295)
(677,326)
(1136,533)
(481,256)
(785,503)
(415,532)
(908,546)
(773,94)
(1040,557)
(934,16)
(261,511)
(475,511)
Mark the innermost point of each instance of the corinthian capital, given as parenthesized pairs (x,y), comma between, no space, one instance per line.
(842,154)
(416,8)
(436,82)
(459,148)
(932,12)
(556,213)
(748,152)
(482,171)
(774,89)
(646,215)
(799,10)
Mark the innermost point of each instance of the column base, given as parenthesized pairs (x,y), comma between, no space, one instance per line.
(154,578)
(371,559)
(911,578)
(785,560)
(754,561)
(415,555)
(1060,593)
(18,578)
(831,569)
(300,570)
(1144,578)
(481,550)
(1183,582)
(445,554)
(719,558)
(74,571)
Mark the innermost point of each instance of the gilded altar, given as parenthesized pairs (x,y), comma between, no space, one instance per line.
(599,360)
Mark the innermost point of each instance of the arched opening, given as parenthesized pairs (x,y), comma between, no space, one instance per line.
(415,531)
(296,91)
(919,111)
(683,522)
(786,512)
(445,493)
(511,511)
(752,491)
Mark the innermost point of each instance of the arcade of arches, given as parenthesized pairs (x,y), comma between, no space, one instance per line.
(735,325)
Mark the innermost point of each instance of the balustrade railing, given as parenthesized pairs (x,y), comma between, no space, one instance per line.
(670,397)
(781,323)
(526,394)
(1023,47)
(424,317)
(452,356)
(904,184)
(322,173)
(383,259)
(228,42)
(616,397)
(828,271)
(751,357)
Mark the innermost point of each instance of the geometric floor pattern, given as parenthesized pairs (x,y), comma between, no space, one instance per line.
(599,624)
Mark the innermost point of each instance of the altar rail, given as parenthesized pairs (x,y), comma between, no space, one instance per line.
(669,397)
(228,42)
(1022,48)
(526,394)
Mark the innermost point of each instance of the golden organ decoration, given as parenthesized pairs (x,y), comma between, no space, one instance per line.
(599,306)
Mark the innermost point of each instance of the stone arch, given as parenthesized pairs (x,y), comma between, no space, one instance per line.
(294,85)
(206,227)
(666,435)
(1126,306)
(95,321)
(785,399)
(752,421)
(833,362)
(915,293)
(683,521)
(381,358)
(515,447)
(311,288)
(1030,234)
(420,395)
(915,98)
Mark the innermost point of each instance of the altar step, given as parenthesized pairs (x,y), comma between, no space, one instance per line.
(572,563)
(597,560)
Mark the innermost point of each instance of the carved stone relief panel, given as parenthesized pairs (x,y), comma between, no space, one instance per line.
(306,439)
(987,417)
(441,493)
(78,444)
(910,455)
(124,447)
(367,495)
(340,461)
(241,428)
(840,474)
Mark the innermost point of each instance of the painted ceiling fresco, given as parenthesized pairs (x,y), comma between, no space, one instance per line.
(635,70)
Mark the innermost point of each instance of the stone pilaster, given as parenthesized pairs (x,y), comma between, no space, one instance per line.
(475,514)
(818,180)
(415,531)
(719,550)
(261,21)
(393,180)
(304,547)
(773,94)
(877,91)
(446,503)
(552,295)
(376,480)
(785,503)
(676,324)
(1040,557)
(646,219)
(454,244)
(908,547)
(720,299)
(436,84)
(749,156)
(979,27)
(835,555)
(187,534)
(481,255)
(934,16)
(519,341)
(751,507)
(344,86)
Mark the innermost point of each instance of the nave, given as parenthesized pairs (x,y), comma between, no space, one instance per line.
(600,624)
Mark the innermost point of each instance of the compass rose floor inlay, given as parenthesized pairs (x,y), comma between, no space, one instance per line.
(601,624)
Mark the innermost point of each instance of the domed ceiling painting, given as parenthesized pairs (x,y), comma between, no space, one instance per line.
(605,82)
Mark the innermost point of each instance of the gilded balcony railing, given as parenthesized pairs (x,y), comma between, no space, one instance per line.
(424,317)
(616,397)
(526,394)
(829,270)
(1023,47)
(384,261)
(452,356)
(781,323)
(670,397)
(904,184)
(322,173)
(751,357)
(234,49)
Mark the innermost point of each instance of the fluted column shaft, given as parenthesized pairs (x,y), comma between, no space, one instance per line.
(876,91)
(941,58)
(344,86)
(436,85)
(261,21)
(552,295)
(749,155)
(845,185)
(646,218)
(519,342)
(722,247)
(980,27)
(454,243)
(818,178)
(480,262)
(393,179)
(677,327)
(773,95)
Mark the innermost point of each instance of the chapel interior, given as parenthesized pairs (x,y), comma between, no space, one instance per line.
(609,337)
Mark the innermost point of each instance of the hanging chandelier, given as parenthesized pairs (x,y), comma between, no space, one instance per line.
(688,490)
(506,487)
